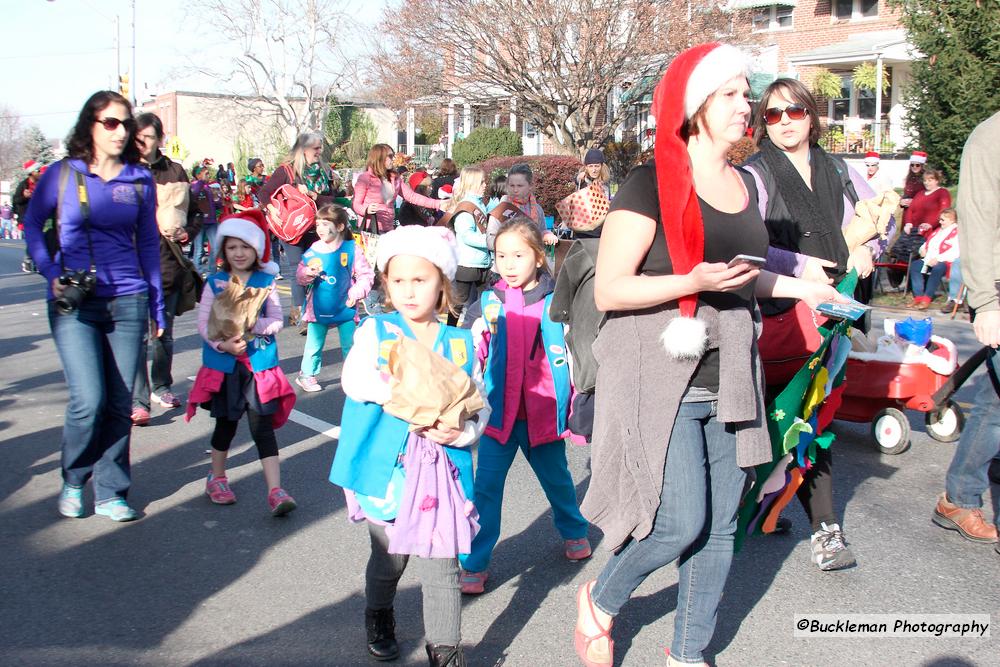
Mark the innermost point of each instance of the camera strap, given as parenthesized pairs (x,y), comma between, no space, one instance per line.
(81,191)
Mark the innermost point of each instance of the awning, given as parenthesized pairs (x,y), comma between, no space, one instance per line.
(640,92)
(754,4)
(890,45)
(758,82)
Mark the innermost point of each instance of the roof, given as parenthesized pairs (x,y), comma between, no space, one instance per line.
(889,44)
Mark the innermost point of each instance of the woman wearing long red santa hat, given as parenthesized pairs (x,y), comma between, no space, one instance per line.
(680,412)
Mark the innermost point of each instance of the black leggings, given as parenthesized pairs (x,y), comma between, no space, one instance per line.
(261,429)
(816,492)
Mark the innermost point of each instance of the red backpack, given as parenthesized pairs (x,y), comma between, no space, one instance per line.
(293,214)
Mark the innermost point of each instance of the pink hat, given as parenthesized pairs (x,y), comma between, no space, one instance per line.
(435,244)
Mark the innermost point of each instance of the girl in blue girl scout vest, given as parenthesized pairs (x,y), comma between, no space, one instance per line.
(417,265)
(526,371)
(241,375)
(337,277)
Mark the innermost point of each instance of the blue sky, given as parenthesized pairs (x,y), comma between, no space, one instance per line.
(56,54)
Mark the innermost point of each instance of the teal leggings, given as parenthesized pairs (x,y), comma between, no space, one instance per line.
(312,356)
(548,461)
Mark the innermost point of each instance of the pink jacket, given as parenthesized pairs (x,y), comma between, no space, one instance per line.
(368,190)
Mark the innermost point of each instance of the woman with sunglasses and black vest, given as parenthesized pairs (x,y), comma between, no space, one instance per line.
(103,286)
(806,198)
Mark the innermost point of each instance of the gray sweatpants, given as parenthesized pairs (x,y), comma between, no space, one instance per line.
(438,582)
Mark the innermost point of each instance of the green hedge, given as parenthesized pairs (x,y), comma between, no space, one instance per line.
(484,143)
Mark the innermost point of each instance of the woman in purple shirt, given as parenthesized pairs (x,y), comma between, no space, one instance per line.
(102,266)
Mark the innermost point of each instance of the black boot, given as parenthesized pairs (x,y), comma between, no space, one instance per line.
(381,627)
(441,655)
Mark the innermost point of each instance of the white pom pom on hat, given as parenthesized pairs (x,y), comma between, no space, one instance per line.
(251,228)
(435,244)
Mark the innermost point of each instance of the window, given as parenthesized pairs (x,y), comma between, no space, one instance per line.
(775,17)
(855,9)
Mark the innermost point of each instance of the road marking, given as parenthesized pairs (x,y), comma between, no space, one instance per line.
(315,424)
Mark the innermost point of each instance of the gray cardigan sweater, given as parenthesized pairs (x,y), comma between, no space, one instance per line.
(640,388)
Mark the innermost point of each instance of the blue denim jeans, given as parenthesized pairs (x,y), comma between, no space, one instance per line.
(926,284)
(955,280)
(293,255)
(694,525)
(967,478)
(207,233)
(99,348)
(163,356)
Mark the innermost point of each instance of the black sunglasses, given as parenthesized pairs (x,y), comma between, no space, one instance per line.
(111,124)
(793,111)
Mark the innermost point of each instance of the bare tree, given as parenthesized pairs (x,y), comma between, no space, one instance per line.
(290,60)
(562,60)
(12,136)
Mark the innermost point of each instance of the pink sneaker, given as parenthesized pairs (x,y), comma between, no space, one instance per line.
(280,502)
(217,489)
(473,583)
(578,549)
(140,416)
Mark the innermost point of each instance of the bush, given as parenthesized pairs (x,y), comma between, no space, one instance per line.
(554,175)
(484,143)
(741,151)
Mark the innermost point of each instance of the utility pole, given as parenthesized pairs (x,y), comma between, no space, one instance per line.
(135,81)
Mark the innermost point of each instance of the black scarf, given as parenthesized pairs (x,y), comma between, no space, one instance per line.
(818,213)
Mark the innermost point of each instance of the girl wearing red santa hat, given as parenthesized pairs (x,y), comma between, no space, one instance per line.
(678,366)
(240,374)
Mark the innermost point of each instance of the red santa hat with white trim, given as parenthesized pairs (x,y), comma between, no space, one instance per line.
(251,228)
(919,157)
(872,157)
(693,76)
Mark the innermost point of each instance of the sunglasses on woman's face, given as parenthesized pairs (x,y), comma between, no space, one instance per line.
(772,115)
(111,124)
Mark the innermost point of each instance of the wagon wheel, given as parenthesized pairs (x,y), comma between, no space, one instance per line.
(945,424)
(891,431)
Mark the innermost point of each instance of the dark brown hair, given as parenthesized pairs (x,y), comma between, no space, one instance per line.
(338,216)
(80,144)
(526,228)
(447,168)
(794,91)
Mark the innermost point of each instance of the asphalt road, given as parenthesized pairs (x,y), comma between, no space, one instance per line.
(196,584)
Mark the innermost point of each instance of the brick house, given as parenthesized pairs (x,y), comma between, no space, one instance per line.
(799,38)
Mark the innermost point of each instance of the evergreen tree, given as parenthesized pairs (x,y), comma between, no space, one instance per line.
(37,147)
(956,84)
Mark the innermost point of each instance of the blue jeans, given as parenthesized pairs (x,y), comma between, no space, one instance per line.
(312,355)
(207,233)
(695,523)
(163,356)
(967,478)
(293,255)
(548,461)
(99,347)
(926,285)
(955,280)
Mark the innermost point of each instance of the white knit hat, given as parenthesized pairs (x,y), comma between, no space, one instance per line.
(719,65)
(251,228)
(435,244)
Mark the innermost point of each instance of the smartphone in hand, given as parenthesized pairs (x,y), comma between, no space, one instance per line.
(752,260)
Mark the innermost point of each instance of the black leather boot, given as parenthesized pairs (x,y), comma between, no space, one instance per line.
(381,627)
(441,655)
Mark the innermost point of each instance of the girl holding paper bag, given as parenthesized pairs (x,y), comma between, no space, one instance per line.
(412,483)
(528,383)
(240,372)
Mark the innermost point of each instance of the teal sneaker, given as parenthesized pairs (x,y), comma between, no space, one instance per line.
(71,501)
(116,509)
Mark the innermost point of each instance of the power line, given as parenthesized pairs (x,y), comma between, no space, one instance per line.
(57,55)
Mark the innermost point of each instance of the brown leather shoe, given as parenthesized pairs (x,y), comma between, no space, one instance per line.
(968,522)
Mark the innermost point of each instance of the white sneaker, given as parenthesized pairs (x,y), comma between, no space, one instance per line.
(308,383)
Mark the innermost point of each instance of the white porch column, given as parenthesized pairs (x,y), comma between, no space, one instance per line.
(451,126)
(878,103)
(513,117)
(466,119)
(411,133)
